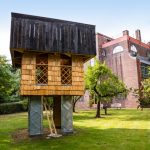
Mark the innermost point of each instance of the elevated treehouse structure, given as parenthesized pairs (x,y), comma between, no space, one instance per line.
(51,54)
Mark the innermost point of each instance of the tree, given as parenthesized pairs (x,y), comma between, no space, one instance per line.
(143,93)
(103,83)
(16,77)
(9,81)
(74,101)
(146,88)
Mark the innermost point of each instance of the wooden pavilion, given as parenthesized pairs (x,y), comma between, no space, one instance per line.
(51,54)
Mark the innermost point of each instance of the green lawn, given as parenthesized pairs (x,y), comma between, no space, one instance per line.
(122,130)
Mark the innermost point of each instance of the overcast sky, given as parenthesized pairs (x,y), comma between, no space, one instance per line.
(111,17)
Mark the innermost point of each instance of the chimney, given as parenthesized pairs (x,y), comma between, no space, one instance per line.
(125,32)
(138,35)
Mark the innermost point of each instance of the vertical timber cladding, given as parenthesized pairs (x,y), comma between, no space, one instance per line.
(29,85)
(33,33)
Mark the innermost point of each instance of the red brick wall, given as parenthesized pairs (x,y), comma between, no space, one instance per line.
(125,67)
(130,77)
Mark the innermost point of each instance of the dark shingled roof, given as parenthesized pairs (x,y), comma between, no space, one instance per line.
(40,34)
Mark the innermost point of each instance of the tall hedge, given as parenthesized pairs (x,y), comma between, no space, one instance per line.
(14,107)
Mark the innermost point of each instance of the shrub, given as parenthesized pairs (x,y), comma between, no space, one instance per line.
(8,108)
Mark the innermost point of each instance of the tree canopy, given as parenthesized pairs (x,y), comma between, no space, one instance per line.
(9,81)
(103,83)
(145,100)
(143,93)
(146,88)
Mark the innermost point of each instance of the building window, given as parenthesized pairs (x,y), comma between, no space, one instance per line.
(144,70)
(117,49)
(133,51)
(103,52)
(42,69)
(66,70)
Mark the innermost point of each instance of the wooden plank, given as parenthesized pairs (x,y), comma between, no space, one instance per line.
(36,92)
(52,35)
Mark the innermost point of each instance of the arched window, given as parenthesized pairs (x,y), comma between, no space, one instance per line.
(133,51)
(117,49)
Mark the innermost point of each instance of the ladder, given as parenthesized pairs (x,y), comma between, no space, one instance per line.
(49,115)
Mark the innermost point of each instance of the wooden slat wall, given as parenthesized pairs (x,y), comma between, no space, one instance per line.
(54,87)
(51,35)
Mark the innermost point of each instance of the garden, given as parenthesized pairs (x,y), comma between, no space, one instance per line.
(124,129)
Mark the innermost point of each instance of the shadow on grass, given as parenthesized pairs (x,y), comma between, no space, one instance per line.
(136,118)
(118,138)
(89,135)
(137,115)
(90,138)
(90,114)
(122,114)
(84,115)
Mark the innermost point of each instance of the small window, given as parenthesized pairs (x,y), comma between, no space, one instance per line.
(144,70)
(66,70)
(103,52)
(133,51)
(108,40)
(42,69)
(117,49)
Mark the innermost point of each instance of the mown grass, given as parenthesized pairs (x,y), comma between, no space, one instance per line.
(121,130)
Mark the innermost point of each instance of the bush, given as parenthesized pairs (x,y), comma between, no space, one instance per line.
(144,102)
(8,108)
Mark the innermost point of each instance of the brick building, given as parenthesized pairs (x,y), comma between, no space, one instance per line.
(128,58)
